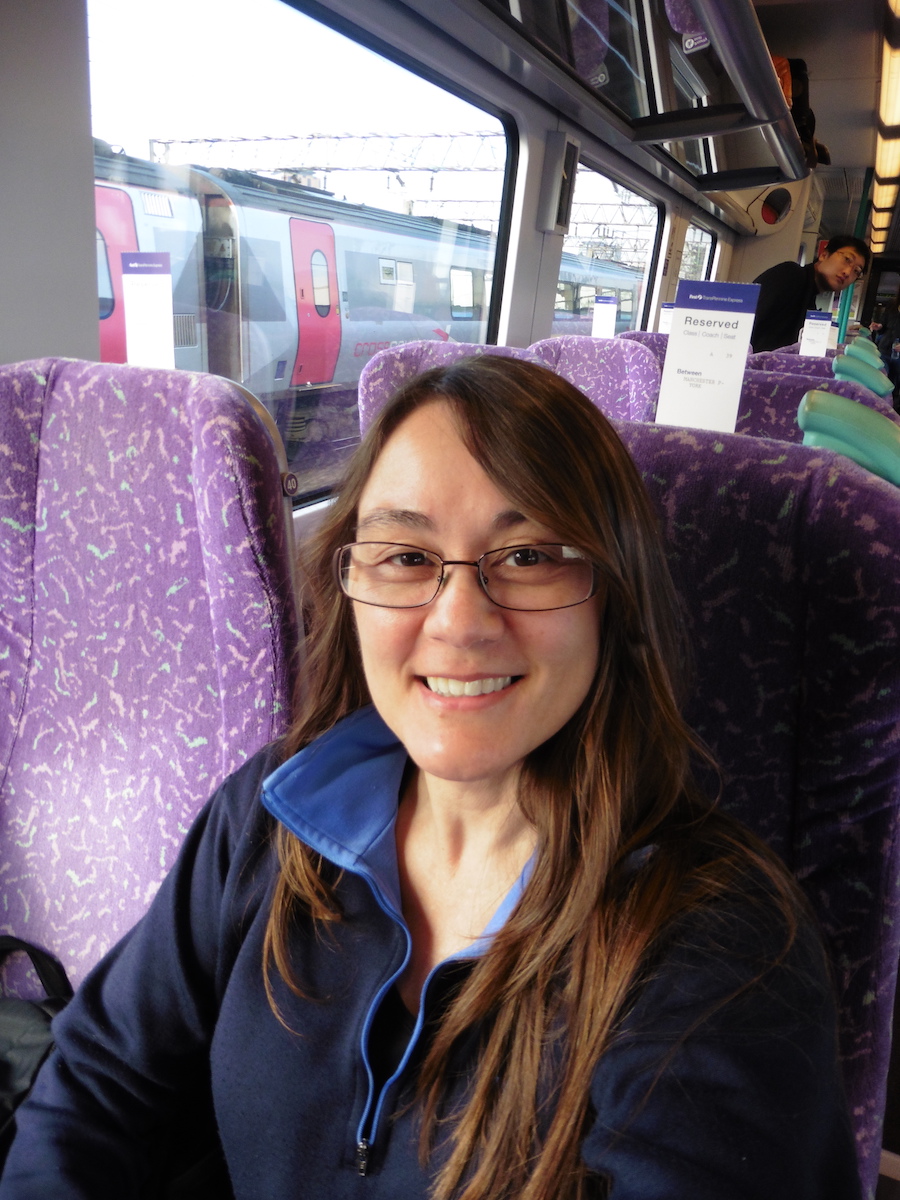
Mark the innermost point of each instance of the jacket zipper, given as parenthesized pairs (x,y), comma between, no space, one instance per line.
(363,1150)
(362,1156)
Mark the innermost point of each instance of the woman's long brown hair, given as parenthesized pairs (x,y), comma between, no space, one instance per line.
(556,980)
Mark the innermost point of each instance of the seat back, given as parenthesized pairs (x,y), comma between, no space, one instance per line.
(387,370)
(684,20)
(769,402)
(656,343)
(621,377)
(793,364)
(794,348)
(789,568)
(590,41)
(147,633)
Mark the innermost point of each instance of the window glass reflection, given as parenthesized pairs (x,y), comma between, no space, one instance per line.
(304,237)
(608,253)
(697,255)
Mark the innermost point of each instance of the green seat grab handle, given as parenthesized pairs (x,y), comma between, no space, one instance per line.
(857,371)
(866,352)
(868,437)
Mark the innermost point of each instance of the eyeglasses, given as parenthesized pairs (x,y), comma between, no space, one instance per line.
(523,578)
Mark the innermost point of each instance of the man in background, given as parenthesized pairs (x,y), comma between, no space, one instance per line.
(788,291)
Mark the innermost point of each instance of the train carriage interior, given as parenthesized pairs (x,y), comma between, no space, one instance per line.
(316,199)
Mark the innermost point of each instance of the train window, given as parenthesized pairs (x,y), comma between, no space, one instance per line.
(601,42)
(566,305)
(185,252)
(318,266)
(607,54)
(322,232)
(697,256)
(104,279)
(405,292)
(608,251)
(691,87)
(543,21)
(263,280)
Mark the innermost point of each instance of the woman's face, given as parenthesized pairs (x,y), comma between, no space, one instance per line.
(426,490)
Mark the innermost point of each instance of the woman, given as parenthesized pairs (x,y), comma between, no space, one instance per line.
(481,938)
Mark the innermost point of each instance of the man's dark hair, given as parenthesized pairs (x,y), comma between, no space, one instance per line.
(841,241)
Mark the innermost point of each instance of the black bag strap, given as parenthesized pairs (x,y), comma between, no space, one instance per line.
(50,970)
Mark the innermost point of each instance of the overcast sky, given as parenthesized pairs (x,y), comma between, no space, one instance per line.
(219,68)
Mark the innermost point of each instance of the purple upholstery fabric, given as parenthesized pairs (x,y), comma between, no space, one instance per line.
(147,633)
(384,373)
(796,364)
(682,17)
(769,401)
(590,40)
(685,21)
(789,566)
(656,343)
(620,377)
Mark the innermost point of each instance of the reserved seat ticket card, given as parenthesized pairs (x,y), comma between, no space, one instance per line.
(707,354)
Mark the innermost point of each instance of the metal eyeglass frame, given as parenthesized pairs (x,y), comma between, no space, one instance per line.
(461,562)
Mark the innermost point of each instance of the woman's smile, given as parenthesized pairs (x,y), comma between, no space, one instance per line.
(448,686)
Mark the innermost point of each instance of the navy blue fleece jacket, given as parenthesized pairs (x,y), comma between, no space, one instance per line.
(174,1024)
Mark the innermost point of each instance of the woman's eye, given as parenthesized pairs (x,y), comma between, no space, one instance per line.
(526,556)
(410,558)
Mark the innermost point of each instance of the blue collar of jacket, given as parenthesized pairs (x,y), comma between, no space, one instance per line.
(339,795)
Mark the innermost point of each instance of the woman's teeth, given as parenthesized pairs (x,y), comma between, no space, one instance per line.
(471,687)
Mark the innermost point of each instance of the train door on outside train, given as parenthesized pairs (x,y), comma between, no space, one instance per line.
(115,224)
(318,303)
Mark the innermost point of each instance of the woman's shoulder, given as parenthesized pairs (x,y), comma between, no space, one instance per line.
(722,1075)
(749,956)
(236,802)
(233,829)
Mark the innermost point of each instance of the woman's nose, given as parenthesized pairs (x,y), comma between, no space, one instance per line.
(461,612)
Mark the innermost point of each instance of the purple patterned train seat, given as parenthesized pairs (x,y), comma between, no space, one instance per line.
(589,33)
(769,402)
(388,369)
(656,343)
(796,364)
(789,566)
(620,377)
(148,636)
(794,348)
(684,20)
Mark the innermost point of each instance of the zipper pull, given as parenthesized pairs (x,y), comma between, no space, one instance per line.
(362,1156)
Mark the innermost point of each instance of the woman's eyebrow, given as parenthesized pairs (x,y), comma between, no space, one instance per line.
(510,518)
(394,516)
(413,519)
